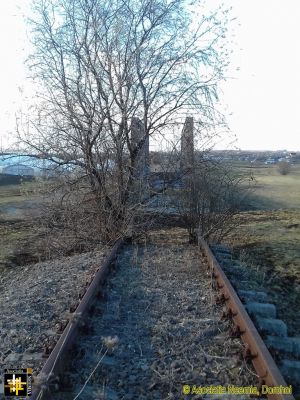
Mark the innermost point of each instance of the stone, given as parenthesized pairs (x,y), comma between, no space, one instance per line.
(32,356)
(13,357)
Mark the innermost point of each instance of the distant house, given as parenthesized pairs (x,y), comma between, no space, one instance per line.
(18,169)
(270,161)
(23,165)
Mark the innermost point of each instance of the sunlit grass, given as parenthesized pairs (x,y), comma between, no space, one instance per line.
(268,237)
(273,190)
(272,231)
(16,193)
(272,238)
(13,228)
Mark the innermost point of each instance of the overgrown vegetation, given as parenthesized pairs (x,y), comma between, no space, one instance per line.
(284,167)
(113,75)
(213,196)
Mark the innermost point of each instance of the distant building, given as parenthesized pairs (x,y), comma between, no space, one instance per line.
(18,169)
(23,165)
(270,161)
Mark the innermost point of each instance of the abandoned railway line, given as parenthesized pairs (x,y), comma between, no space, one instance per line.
(150,325)
(156,326)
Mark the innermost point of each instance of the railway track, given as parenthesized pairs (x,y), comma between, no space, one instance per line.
(169,337)
(286,350)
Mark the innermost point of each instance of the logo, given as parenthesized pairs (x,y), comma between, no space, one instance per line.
(18,382)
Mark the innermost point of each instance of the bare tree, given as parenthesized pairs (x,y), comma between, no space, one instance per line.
(213,196)
(101,64)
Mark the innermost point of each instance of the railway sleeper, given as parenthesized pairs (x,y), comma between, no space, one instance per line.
(286,345)
(291,370)
(265,310)
(252,295)
(223,256)
(236,271)
(271,326)
(219,248)
(272,329)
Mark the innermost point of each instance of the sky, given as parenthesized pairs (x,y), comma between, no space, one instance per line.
(264,95)
(262,91)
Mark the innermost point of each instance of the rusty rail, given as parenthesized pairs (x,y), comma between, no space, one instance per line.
(59,355)
(256,350)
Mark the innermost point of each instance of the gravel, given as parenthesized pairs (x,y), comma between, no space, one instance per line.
(34,303)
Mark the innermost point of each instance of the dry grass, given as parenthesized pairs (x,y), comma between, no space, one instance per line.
(273,238)
(269,237)
(273,190)
(13,236)
(16,227)
(273,235)
(16,193)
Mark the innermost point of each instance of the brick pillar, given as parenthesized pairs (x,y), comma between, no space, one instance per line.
(137,136)
(141,169)
(187,159)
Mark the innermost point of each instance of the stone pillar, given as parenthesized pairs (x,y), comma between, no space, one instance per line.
(140,190)
(137,136)
(187,159)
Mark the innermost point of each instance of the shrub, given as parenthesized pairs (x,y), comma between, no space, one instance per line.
(284,167)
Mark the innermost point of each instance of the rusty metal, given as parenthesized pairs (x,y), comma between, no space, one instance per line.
(59,355)
(256,351)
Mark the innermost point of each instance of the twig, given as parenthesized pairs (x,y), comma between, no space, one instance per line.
(91,374)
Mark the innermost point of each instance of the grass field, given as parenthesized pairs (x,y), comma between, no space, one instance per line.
(269,236)
(16,193)
(273,220)
(15,226)
(275,191)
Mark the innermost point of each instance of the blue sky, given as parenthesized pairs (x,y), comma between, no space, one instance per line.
(263,95)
